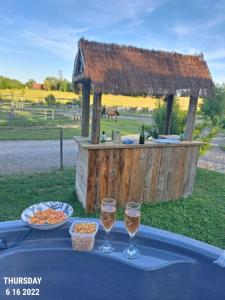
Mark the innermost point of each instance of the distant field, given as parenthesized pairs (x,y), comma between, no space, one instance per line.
(52,133)
(108,100)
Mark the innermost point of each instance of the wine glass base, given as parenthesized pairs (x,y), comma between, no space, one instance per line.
(134,253)
(106,248)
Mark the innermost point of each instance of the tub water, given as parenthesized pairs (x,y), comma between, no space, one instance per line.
(170,266)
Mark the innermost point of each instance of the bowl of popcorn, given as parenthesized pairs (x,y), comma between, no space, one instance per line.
(83,235)
(47,215)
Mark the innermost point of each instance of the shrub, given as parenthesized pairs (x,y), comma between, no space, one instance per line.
(207,139)
(178,118)
(215,106)
(223,123)
(50,99)
(216,120)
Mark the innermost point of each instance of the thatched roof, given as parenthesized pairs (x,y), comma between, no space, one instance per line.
(133,71)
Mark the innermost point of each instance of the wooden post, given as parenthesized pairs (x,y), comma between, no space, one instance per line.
(61,149)
(169,111)
(190,123)
(96,118)
(86,87)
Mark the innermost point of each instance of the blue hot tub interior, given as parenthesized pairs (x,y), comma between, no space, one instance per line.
(170,266)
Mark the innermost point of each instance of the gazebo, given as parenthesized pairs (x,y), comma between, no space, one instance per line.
(127,70)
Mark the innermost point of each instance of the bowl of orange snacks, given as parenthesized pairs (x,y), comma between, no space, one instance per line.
(47,215)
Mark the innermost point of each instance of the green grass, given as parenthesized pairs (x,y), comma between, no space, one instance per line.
(52,133)
(201,216)
(18,133)
(223,147)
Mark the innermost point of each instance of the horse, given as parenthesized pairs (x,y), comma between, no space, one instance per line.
(112,112)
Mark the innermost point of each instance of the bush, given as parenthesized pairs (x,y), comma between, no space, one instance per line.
(216,120)
(178,118)
(207,139)
(223,123)
(215,106)
(50,99)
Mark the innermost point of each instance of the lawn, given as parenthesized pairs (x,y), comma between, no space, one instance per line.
(201,216)
(69,130)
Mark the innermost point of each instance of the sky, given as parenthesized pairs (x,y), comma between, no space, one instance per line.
(39,38)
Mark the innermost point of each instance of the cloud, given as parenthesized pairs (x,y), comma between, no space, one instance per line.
(218,66)
(182,30)
(219,53)
(8,49)
(101,13)
(59,41)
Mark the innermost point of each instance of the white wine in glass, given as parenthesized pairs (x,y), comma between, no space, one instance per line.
(132,223)
(108,218)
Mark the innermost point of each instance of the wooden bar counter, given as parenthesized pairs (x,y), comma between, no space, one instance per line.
(151,172)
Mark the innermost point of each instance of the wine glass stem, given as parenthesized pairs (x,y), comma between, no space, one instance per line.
(107,237)
(131,246)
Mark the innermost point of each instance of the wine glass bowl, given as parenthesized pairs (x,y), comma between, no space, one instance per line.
(132,223)
(108,218)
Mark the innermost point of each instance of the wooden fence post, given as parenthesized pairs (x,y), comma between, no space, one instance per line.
(61,149)
(96,118)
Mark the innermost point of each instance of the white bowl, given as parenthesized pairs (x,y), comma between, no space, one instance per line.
(56,205)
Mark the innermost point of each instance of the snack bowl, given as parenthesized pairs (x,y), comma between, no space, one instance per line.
(83,235)
(57,206)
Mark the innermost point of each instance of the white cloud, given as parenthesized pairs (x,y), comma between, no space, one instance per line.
(183,30)
(59,41)
(215,54)
(101,13)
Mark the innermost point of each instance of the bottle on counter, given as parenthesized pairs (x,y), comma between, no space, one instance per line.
(103,137)
(112,137)
(142,135)
(155,133)
(117,136)
(182,136)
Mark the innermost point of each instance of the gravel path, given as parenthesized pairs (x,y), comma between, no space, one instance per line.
(36,156)
(214,159)
(30,156)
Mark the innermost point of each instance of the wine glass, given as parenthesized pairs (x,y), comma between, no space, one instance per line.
(132,223)
(108,217)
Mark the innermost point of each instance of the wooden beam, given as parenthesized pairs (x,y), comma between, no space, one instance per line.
(169,111)
(96,118)
(86,87)
(190,123)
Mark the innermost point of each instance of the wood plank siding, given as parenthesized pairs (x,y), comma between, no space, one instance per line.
(159,173)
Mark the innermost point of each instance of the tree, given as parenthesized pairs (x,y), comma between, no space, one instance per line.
(60,75)
(50,99)
(215,107)
(65,86)
(8,83)
(30,83)
(178,118)
(51,83)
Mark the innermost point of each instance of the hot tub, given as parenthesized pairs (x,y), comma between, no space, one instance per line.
(170,266)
